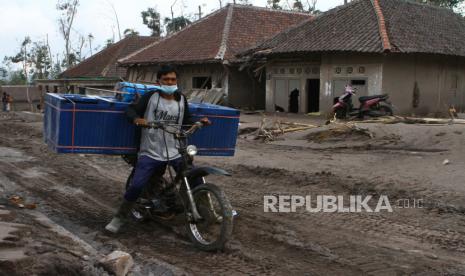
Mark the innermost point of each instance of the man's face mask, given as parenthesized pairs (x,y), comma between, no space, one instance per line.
(169,89)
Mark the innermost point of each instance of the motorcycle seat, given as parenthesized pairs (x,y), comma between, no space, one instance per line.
(366,98)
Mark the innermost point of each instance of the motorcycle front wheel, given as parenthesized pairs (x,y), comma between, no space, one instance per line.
(214,229)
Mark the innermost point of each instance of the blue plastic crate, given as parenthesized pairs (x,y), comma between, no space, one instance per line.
(218,139)
(98,125)
(132,89)
(87,124)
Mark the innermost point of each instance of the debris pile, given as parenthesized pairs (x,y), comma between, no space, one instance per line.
(414,120)
(270,130)
(340,131)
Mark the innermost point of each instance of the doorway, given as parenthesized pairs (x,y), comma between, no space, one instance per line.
(313,95)
(286,95)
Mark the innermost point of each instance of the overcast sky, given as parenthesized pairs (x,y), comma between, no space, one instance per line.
(37,18)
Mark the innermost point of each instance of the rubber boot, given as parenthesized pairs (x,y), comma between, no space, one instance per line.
(120,217)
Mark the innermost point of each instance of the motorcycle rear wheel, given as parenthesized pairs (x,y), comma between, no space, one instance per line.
(215,228)
(385,110)
(340,113)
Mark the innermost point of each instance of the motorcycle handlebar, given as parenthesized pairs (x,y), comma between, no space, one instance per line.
(161,125)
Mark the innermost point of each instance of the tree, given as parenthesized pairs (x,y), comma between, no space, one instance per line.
(78,51)
(117,20)
(23,57)
(176,24)
(35,60)
(130,32)
(274,4)
(450,4)
(90,37)
(56,70)
(109,42)
(311,7)
(17,78)
(308,7)
(68,10)
(40,61)
(245,2)
(151,18)
(298,6)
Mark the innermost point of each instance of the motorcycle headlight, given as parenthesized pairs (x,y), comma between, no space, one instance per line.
(191,150)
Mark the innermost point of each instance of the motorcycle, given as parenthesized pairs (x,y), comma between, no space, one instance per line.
(207,212)
(373,106)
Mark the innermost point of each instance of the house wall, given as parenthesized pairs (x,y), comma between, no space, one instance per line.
(291,74)
(246,90)
(333,71)
(20,97)
(337,70)
(186,73)
(440,82)
(238,85)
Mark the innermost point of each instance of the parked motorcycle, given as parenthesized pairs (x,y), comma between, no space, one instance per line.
(207,211)
(373,106)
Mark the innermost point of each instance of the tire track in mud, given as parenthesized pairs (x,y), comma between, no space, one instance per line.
(385,235)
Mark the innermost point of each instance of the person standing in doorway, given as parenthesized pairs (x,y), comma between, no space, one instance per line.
(9,102)
(294,101)
(4,101)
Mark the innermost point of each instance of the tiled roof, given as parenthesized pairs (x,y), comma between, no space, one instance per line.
(104,63)
(218,36)
(417,28)
(374,26)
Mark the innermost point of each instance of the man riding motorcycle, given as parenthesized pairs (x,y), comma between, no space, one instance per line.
(157,149)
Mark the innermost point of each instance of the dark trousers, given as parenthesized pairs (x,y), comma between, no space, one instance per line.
(146,167)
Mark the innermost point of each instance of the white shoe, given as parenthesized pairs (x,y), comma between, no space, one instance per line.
(115,225)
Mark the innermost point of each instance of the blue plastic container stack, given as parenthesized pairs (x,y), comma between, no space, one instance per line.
(98,125)
(132,89)
(87,124)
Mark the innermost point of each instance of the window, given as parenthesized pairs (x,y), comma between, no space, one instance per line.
(358,82)
(202,82)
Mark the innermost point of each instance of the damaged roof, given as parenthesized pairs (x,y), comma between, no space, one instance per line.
(218,36)
(104,63)
(374,26)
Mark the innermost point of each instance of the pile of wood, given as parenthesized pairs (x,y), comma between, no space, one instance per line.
(414,120)
(270,130)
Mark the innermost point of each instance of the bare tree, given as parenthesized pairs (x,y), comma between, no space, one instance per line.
(90,37)
(312,6)
(49,51)
(68,9)
(82,42)
(117,20)
(172,13)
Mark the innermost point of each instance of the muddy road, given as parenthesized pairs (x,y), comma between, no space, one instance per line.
(81,192)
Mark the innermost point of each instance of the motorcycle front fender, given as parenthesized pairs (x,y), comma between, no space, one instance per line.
(204,171)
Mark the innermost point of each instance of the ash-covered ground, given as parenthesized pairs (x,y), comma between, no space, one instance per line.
(76,196)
